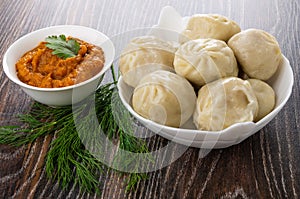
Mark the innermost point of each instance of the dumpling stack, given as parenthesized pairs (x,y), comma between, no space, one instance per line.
(160,94)
(217,75)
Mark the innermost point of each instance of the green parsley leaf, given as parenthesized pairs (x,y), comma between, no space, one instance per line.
(62,47)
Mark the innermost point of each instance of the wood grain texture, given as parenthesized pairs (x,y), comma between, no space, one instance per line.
(266,165)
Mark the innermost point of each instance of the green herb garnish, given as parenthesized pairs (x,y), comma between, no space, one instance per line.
(68,161)
(62,47)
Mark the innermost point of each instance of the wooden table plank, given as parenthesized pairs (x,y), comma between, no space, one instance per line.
(266,165)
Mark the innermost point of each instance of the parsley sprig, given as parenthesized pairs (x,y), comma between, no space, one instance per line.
(62,47)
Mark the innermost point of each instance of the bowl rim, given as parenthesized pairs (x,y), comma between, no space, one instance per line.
(28,35)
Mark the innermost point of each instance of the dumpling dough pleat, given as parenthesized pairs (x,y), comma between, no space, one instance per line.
(223,103)
(144,55)
(202,26)
(205,60)
(257,52)
(265,96)
(164,97)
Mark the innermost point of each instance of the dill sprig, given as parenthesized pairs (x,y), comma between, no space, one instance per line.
(68,161)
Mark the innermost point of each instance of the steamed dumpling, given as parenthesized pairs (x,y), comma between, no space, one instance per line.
(223,103)
(204,60)
(265,97)
(257,52)
(144,55)
(164,97)
(209,26)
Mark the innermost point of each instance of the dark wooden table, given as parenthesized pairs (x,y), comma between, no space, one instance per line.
(266,165)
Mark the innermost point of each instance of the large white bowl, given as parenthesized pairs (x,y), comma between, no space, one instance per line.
(65,95)
(281,82)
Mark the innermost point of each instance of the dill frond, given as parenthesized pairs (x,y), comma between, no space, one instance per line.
(68,161)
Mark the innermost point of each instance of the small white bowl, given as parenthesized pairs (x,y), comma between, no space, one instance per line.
(65,95)
(282,83)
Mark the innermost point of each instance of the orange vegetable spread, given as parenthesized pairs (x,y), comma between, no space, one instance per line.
(40,68)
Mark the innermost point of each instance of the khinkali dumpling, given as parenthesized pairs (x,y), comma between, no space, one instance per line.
(223,103)
(257,52)
(213,26)
(164,97)
(144,55)
(265,97)
(204,60)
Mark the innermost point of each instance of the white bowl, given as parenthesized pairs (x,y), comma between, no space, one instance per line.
(281,82)
(65,95)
